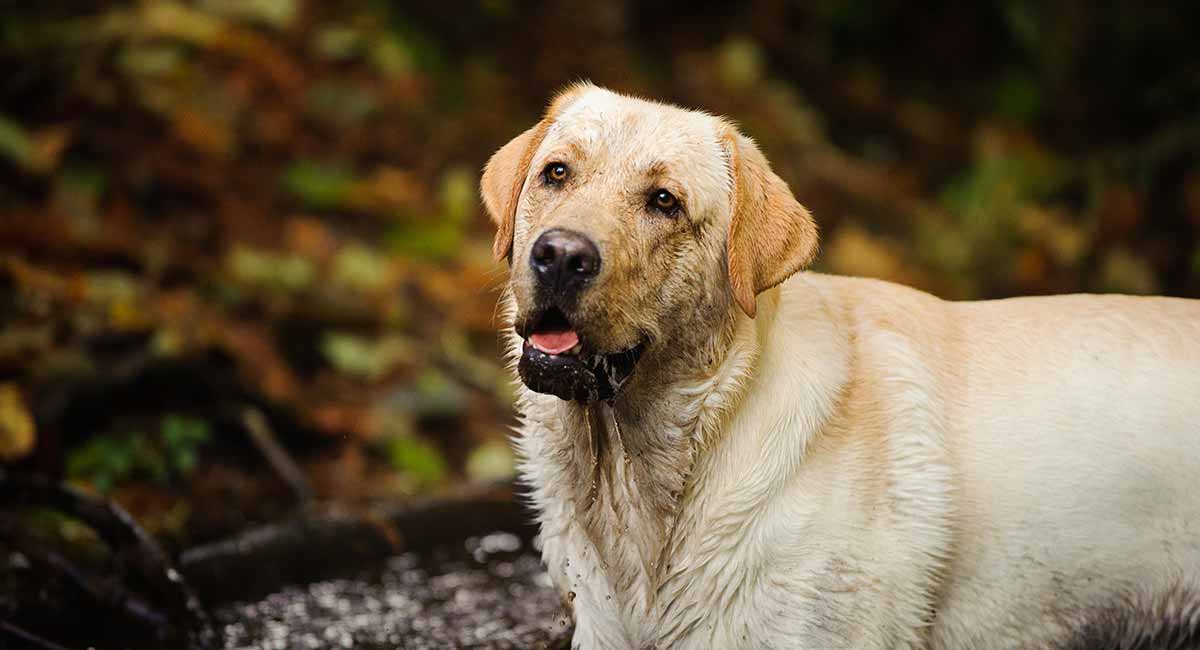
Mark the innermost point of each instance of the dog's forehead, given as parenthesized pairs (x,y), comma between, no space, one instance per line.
(637,131)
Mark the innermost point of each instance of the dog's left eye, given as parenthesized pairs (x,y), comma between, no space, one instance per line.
(664,201)
(555,173)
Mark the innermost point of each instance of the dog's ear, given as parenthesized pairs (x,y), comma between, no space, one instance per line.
(771,236)
(502,182)
(505,173)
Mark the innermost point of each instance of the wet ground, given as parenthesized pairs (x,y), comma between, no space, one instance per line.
(490,592)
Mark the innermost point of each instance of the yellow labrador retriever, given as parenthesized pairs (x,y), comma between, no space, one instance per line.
(725,452)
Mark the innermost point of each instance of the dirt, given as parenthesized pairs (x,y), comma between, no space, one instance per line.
(492,592)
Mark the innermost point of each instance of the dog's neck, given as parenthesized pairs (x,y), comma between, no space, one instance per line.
(622,469)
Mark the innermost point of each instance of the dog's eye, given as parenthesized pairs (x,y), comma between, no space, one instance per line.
(555,173)
(664,201)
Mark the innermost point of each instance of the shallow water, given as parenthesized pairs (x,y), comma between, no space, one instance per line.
(490,593)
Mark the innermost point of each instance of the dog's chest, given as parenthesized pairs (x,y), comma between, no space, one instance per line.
(716,587)
(622,597)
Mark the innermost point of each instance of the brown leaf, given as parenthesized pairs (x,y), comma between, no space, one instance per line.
(17,434)
(1120,212)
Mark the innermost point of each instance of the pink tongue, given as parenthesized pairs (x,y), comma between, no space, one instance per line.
(554,342)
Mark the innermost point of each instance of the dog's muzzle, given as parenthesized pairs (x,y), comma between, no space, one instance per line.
(581,377)
(555,360)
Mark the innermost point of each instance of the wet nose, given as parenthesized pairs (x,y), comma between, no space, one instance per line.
(564,260)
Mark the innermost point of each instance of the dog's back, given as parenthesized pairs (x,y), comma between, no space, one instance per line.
(1073,428)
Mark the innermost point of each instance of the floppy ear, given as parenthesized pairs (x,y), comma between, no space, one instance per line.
(771,236)
(505,173)
(503,178)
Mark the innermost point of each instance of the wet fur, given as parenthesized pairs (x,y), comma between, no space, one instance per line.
(1168,621)
(859,464)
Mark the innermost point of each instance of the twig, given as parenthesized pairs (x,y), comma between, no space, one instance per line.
(106,593)
(27,636)
(277,457)
(119,530)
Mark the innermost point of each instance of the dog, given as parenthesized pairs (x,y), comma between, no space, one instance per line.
(727,451)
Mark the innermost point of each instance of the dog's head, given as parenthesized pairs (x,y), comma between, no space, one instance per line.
(630,225)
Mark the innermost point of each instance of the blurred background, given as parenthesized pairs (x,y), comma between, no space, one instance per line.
(243,262)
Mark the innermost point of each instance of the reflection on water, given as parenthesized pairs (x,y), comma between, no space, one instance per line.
(491,593)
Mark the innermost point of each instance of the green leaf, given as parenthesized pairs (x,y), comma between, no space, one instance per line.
(150,460)
(318,185)
(417,458)
(1122,271)
(337,42)
(457,194)
(340,103)
(277,14)
(439,395)
(151,60)
(182,437)
(104,460)
(491,461)
(361,267)
(740,62)
(362,357)
(181,430)
(77,192)
(106,287)
(435,241)
(15,143)
(270,270)
(1018,97)
(392,56)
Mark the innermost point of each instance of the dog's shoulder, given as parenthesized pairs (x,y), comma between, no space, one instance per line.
(858,303)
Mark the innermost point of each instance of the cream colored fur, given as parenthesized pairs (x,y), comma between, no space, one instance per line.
(860,465)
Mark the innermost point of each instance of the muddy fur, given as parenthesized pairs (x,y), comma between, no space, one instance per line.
(1167,621)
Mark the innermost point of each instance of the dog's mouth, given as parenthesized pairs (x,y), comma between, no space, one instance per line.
(557,361)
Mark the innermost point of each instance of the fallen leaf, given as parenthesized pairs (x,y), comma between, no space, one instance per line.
(17,434)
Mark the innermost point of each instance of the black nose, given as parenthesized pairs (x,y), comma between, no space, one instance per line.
(564,260)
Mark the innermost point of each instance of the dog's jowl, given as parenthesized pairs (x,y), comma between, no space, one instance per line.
(727,451)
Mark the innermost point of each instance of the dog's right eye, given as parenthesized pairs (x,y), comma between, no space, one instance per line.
(555,173)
